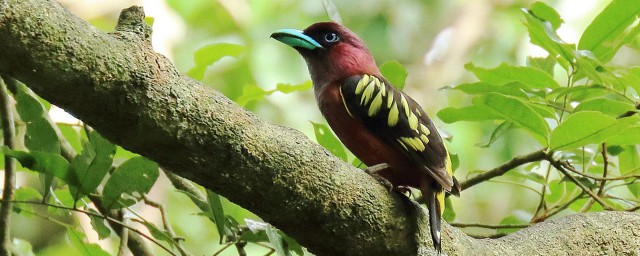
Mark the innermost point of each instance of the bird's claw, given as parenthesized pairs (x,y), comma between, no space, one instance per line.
(374,170)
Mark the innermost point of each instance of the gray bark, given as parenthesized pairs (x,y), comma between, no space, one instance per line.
(136,98)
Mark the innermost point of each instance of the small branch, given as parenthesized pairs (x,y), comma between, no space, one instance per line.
(124,240)
(8,132)
(542,206)
(560,167)
(167,225)
(557,209)
(605,163)
(502,169)
(110,219)
(489,226)
(570,168)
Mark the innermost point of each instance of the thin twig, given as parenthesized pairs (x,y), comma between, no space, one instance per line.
(570,168)
(556,209)
(99,216)
(166,224)
(560,167)
(489,226)
(8,132)
(502,169)
(542,206)
(605,164)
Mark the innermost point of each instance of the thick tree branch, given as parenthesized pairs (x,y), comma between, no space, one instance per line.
(136,98)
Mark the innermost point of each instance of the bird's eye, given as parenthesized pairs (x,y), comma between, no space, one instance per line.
(331,37)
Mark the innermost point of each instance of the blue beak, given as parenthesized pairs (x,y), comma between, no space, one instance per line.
(296,39)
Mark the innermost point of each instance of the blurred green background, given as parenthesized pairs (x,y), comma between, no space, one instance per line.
(432,39)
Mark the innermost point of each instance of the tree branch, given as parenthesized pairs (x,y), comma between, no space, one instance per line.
(137,99)
(502,169)
(8,134)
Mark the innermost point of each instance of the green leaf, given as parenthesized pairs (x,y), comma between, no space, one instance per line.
(608,107)
(43,162)
(21,247)
(157,233)
(497,133)
(40,134)
(395,73)
(586,127)
(449,214)
(99,225)
(545,64)
(128,182)
(473,113)
(482,88)
(276,241)
(612,28)
(86,249)
(629,136)
(93,164)
(629,161)
(217,212)
(531,77)
(543,34)
(25,194)
(289,88)
(252,92)
(325,137)
(547,13)
(210,54)
(520,113)
(528,175)
(510,220)
(578,93)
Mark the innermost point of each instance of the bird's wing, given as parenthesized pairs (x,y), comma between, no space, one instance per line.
(399,121)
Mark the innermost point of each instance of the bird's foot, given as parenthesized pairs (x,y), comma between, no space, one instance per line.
(374,170)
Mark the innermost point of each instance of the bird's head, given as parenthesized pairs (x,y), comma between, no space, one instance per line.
(331,50)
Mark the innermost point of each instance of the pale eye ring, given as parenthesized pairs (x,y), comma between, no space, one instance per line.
(331,37)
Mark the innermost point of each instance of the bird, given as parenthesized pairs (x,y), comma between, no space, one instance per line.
(381,125)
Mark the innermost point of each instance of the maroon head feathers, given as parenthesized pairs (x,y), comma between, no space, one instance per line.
(343,54)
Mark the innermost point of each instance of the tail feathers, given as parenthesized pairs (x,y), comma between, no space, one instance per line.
(435,204)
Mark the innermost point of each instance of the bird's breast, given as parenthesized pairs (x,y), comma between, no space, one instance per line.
(370,149)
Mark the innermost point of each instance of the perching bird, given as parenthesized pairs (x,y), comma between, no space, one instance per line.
(386,129)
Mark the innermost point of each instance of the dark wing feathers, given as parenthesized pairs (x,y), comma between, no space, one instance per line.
(399,121)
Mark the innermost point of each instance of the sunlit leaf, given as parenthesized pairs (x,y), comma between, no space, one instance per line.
(613,27)
(547,13)
(325,137)
(481,88)
(606,106)
(395,73)
(629,136)
(129,182)
(545,64)
(210,54)
(531,77)
(21,247)
(472,113)
(520,113)
(543,34)
(587,127)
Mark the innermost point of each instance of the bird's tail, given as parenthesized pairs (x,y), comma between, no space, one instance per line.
(433,195)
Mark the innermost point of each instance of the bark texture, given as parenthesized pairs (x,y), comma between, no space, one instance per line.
(136,98)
